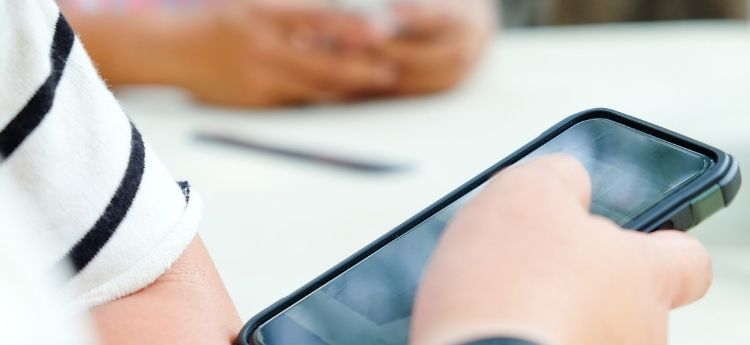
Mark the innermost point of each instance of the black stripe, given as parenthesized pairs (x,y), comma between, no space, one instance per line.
(95,239)
(185,187)
(39,105)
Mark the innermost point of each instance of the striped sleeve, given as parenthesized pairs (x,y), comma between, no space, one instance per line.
(76,176)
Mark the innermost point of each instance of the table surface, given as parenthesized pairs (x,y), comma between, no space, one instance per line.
(272,224)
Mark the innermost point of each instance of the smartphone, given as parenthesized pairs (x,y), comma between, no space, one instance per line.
(643,178)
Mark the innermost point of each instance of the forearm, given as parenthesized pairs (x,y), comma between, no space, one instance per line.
(186,305)
(133,48)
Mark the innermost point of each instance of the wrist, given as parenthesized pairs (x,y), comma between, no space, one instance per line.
(135,48)
(180,50)
(154,52)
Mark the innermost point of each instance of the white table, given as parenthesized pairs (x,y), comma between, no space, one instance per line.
(273,224)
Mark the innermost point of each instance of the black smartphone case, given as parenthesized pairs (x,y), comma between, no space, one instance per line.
(681,210)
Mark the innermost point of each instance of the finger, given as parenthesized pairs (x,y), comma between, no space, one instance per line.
(352,31)
(423,82)
(329,26)
(271,88)
(431,65)
(560,170)
(441,14)
(338,73)
(683,264)
(285,89)
(428,55)
(427,67)
(417,21)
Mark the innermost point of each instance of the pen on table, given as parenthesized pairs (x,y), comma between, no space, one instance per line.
(299,153)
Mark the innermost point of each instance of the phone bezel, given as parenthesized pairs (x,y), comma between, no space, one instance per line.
(724,173)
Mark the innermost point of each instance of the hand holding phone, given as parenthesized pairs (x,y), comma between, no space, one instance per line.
(643,177)
(574,278)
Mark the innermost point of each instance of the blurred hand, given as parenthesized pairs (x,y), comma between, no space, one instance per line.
(262,54)
(437,43)
(270,52)
(526,258)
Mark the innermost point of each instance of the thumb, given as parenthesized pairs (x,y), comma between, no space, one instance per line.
(684,262)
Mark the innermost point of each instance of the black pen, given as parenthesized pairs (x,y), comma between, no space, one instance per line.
(299,154)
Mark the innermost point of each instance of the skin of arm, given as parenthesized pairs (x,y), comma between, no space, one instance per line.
(186,305)
(526,258)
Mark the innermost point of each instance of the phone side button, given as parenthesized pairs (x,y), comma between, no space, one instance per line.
(706,204)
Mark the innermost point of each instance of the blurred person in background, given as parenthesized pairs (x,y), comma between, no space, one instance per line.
(271,53)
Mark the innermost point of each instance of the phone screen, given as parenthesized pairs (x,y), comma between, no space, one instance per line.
(371,303)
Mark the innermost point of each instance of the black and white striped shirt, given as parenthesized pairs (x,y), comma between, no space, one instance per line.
(76,178)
